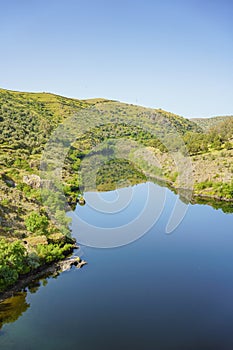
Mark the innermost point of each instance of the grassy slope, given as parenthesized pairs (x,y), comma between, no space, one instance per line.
(26,121)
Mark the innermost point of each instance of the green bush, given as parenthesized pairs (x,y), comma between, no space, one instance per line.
(52,252)
(37,223)
(13,261)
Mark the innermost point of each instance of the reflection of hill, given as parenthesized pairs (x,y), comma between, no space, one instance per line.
(184,194)
(11,309)
(226,207)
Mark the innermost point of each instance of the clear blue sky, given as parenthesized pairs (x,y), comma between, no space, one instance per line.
(170,54)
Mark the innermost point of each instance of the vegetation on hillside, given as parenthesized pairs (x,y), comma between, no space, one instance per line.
(208,123)
(28,237)
(210,152)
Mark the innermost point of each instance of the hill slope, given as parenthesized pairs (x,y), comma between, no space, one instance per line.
(208,123)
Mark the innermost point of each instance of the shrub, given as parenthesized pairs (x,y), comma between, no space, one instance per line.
(37,223)
(13,261)
(52,252)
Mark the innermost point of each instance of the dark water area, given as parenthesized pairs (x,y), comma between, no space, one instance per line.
(161,291)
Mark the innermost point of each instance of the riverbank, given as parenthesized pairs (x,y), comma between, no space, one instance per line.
(47,270)
(195,196)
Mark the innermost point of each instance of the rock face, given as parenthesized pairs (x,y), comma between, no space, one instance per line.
(66,264)
(32,180)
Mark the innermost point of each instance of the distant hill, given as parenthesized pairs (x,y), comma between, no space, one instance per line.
(207,123)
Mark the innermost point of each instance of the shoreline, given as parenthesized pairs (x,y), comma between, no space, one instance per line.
(48,270)
(206,196)
(171,185)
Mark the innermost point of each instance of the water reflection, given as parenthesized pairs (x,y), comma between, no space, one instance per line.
(184,194)
(12,308)
(135,296)
(225,206)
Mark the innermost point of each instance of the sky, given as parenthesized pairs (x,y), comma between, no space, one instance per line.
(171,54)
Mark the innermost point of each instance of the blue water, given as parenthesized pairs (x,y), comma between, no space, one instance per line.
(159,292)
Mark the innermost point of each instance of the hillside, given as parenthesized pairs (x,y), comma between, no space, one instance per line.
(27,122)
(164,135)
(208,123)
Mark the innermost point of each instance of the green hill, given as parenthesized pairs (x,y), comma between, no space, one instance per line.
(27,122)
(208,123)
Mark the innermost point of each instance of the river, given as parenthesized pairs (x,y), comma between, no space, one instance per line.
(148,290)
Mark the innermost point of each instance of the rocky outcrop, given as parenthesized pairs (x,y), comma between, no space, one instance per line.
(32,180)
(66,264)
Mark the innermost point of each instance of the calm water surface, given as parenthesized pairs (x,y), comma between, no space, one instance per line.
(160,292)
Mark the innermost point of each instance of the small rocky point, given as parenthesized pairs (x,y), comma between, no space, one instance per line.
(65,265)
